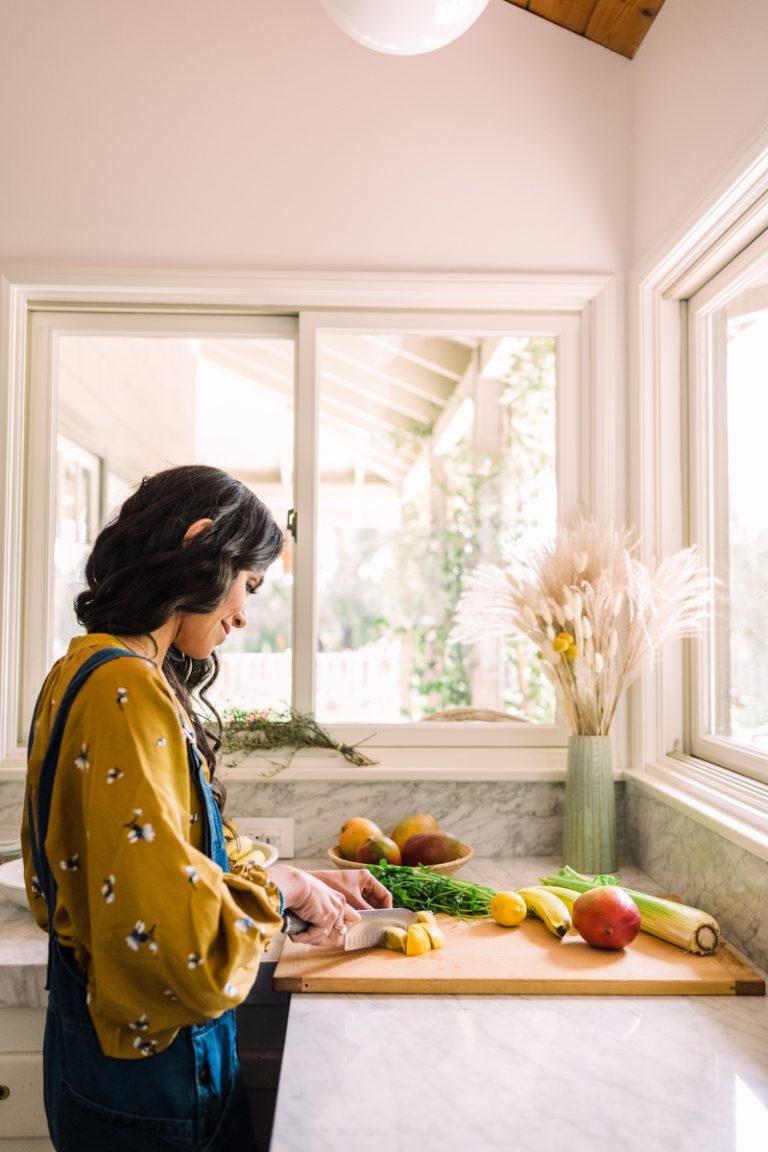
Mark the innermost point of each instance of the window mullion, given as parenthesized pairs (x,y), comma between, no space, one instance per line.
(306,407)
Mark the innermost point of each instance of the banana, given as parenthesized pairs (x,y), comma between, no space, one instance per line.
(567,895)
(544,904)
(236,851)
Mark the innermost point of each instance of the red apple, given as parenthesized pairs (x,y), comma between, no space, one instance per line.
(606,917)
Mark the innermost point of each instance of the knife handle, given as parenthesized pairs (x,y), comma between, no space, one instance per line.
(293,925)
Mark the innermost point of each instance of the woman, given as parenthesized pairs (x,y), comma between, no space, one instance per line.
(152,940)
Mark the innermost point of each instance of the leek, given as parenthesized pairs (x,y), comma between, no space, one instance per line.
(687,927)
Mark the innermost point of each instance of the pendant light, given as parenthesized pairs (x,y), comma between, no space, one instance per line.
(404,27)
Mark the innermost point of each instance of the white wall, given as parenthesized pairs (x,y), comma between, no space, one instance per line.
(254,134)
(700,93)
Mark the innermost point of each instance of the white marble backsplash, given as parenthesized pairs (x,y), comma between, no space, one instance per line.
(701,868)
(496,818)
(11,800)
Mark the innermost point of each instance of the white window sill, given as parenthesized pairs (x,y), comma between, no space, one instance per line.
(430,751)
(733,806)
(398,764)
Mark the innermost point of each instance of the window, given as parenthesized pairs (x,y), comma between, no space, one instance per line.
(130,401)
(437,452)
(425,429)
(728,332)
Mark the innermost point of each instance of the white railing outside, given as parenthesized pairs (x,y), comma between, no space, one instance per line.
(351,686)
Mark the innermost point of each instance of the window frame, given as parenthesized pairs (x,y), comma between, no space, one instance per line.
(707,463)
(660,760)
(586,304)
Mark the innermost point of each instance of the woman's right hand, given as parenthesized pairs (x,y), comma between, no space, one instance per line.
(325,910)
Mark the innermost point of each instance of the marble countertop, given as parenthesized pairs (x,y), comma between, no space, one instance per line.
(487,1073)
(529,1073)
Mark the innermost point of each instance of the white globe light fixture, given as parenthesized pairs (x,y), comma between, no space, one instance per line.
(404,27)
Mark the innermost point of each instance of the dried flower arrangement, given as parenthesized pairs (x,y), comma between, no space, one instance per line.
(249,730)
(598,615)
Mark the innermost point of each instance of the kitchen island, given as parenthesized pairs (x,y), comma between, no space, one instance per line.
(484,1073)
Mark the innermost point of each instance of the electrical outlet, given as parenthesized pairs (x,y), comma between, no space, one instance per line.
(275,830)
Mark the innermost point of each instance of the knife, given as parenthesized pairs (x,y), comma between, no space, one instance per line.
(369,931)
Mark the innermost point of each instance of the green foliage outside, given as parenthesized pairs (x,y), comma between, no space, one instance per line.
(487,505)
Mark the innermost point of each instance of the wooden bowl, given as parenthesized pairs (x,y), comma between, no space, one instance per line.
(447,869)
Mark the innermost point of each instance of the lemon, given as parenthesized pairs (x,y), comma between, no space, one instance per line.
(395,939)
(435,934)
(417,941)
(508,909)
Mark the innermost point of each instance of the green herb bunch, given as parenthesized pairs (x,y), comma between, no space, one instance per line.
(419,888)
(248,730)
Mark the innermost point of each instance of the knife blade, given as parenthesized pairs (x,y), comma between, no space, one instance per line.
(369,931)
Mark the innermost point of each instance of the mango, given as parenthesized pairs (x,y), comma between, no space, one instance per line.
(411,826)
(431,848)
(372,850)
(353,832)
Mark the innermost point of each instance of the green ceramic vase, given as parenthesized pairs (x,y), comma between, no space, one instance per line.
(589,813)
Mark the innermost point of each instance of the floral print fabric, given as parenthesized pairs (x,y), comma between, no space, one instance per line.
(165,937)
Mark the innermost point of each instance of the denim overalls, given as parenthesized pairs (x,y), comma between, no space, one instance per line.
(189,1097)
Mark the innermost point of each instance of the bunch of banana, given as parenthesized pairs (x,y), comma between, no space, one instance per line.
(241,852)
(551,905)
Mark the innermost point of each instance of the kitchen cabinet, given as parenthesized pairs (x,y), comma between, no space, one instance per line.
(22,1118)
(262,1021)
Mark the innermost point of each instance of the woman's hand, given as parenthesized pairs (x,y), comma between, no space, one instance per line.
(328,900)
(358,886)
(325,910)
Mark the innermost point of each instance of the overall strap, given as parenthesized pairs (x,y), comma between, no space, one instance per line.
(38,827)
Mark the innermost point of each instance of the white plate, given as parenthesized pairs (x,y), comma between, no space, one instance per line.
(10,840)
(12,882)
(269,851)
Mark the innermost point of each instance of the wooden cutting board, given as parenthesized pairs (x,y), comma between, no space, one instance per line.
(481,957)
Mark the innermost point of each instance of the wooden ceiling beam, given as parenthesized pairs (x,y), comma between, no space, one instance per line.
(618,25)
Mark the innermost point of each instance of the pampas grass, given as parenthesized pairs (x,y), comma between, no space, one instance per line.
(598,615)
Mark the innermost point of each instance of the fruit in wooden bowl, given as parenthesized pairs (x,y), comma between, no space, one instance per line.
(432,848)
(412,825)
(354,832)
(377,848)
(450,866)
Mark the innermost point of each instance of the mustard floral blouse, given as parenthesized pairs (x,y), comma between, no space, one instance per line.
(165,937)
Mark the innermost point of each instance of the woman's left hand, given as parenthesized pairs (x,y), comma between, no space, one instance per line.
(358,887)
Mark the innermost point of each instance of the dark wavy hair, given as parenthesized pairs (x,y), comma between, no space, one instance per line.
(141,571)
